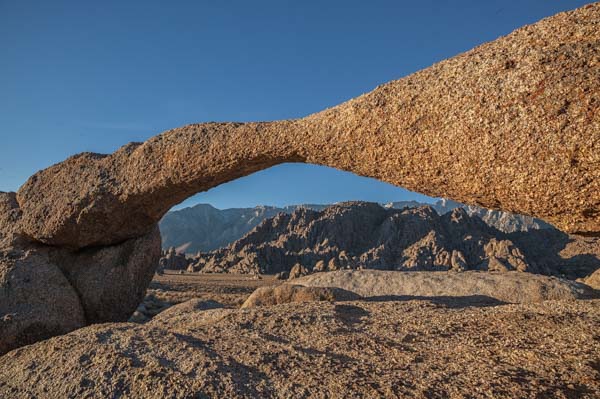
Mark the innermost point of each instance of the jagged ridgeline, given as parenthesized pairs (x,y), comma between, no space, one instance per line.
(205,228)
(363,235)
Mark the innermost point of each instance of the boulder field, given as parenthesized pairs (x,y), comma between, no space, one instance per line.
(513,124)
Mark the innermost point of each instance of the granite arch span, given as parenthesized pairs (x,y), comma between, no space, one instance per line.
(513,124)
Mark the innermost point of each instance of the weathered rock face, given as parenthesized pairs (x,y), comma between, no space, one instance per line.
(593,280)
(111,280)
(512,124)
(47,291)
(297,271)
(171,259)
(10,214)
(36,300)
(361,235)
(434,348)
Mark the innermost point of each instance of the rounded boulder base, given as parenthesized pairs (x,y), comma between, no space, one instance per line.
(36,300)
(112,280)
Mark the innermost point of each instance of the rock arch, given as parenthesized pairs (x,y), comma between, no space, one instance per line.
(512,124)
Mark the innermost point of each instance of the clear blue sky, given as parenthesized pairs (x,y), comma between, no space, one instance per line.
(91,76)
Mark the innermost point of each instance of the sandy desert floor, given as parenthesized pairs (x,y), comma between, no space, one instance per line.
(229,289)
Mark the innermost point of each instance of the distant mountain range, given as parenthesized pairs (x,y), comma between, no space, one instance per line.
(203,228)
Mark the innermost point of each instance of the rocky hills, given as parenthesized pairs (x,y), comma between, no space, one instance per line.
(362,235)
(203,227)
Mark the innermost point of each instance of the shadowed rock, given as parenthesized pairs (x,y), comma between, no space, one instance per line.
(512,124)
(363,235)
(47,291)
(36,300)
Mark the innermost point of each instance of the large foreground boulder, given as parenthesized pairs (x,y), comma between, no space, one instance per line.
(111,280)
(512,124)
(511,287)
(47,291)
(395,349)
(36,300)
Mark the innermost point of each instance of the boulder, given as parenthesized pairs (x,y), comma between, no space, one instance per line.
(282,275)
(288,293)
(510,287)
(111,281)
(297,271)
(36,300)
(9,217)
(319,266)
(173,260)
(457,261)
(187,307)
(504,255)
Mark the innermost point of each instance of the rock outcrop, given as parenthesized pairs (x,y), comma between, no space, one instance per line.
(111,280)
(203,228)
(361,235)
(173,260)
(510,287)
(297,271)
(360,349)
(36,300)
(47,291)
(512,124)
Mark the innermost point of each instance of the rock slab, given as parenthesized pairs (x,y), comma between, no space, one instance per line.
(510,287)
